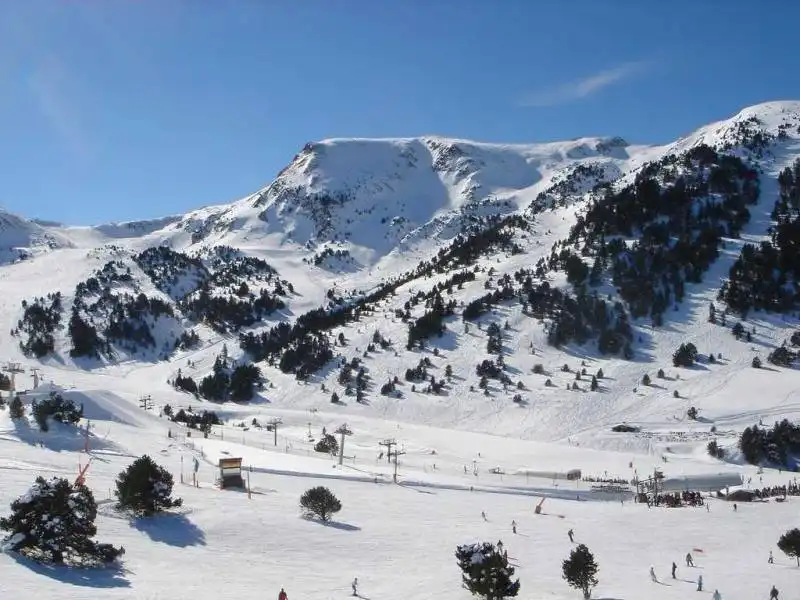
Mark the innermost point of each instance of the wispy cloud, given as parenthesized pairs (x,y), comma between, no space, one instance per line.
(582,88)
(51,86)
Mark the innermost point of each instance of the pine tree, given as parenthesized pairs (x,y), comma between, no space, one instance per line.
(594,384)
(646,379)
(16,408)
(714,449)
(327,444)
(145,488)
(789,544)
(54,522)
(243,379)
(685,355)
(320,502)
(60,409)
(486,572)
(580,570)
(85,341)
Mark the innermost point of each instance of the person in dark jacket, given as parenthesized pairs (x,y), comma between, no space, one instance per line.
(674,568)
(282,595)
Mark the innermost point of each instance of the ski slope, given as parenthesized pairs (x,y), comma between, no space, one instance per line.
(397,539)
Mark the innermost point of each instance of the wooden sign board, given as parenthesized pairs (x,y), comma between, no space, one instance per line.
(230,471)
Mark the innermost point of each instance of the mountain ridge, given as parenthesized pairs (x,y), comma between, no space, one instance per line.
(551,255)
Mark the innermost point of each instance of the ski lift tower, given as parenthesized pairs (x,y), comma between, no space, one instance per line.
(392,455)
(35,375)
(343,430)
(274,423)
(12,369)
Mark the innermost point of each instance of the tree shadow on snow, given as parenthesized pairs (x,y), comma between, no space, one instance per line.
(102,577)
(171,529)
(416,489)
(336,525)
(59,438)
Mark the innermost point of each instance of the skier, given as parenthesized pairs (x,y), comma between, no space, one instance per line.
(571,535)
(514,526)
(499,545)
(689,561)
(355,586)
(674,568)
(653,574)
(282,595)
(735,508)
(770,560)
(483,514)
(699,583)
(773,593)
(716,596)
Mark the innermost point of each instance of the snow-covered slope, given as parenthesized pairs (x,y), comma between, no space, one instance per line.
(22,238)
(347,214)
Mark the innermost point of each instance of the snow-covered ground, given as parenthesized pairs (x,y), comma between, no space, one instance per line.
(397,539)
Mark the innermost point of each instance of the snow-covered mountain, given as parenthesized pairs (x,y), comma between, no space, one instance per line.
(383,227)
(23,238)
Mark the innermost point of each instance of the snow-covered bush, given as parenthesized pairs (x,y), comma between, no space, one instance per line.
(59,408)
(145,488)
(485,571)
(54,522)
(715,450)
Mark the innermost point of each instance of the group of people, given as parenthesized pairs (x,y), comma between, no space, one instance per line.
(676,499)
(773,594)
(614,480)
(793,489)
(689,563)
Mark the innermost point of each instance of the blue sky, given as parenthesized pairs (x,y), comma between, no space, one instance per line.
(120,110)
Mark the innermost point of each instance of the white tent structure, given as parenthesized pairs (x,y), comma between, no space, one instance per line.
(711,482)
